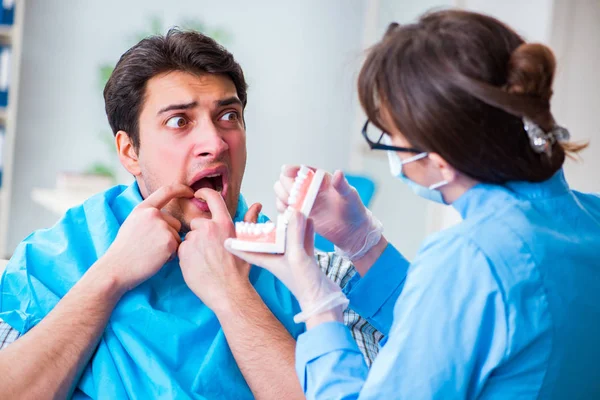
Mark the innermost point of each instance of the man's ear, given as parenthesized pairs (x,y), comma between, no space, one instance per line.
(127,153)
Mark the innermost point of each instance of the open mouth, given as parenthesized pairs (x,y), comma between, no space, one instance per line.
(211,178)
(214,182)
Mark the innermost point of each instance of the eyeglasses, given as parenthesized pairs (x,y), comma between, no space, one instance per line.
(371,132)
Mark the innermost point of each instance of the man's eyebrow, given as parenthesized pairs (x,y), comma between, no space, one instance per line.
(185,106)
(228,101)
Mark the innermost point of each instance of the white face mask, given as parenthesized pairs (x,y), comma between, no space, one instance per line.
(429,193)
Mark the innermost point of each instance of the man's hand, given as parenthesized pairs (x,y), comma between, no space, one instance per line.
(147,238)
(220,280)
(210,271)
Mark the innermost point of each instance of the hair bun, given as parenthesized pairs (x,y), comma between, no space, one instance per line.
(531,70)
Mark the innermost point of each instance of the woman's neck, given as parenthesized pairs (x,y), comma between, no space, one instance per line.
(457,188)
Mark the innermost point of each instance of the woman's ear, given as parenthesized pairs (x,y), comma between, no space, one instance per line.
(447,171)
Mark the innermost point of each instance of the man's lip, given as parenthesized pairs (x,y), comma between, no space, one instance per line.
(202,205)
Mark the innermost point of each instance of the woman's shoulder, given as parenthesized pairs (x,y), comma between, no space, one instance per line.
(495,244)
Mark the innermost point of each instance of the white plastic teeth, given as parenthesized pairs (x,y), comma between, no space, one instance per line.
(300,177)
(285,218)
(249,228)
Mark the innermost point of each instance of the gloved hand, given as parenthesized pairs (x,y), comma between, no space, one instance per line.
(298,269)
(338,213)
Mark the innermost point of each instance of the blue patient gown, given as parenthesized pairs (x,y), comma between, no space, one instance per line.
(161,341)
(505,305)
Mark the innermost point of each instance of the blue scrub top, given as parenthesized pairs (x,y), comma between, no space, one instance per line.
(504,305)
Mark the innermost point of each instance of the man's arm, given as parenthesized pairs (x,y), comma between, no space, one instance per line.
(262,347)
(47,360)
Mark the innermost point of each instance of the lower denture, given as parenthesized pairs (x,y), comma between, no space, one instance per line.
(269,237)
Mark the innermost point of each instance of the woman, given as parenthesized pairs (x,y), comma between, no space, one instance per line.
(504,305)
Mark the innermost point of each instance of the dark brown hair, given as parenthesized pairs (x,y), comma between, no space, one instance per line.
(458,84)
(178,50)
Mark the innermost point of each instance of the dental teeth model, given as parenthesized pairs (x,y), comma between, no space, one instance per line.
(270,237)
(260,238)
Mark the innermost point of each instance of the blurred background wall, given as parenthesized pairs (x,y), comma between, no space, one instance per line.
(301,59)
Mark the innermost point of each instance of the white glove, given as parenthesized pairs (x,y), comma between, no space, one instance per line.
(338,213)
(298,269)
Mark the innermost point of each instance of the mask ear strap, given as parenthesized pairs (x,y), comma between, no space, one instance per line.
(414,158)
(438,185)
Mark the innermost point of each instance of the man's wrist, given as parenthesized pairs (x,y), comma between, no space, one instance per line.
(101,281)
(238,295)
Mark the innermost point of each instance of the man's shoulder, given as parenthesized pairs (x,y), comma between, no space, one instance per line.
(84,229)
(80,218)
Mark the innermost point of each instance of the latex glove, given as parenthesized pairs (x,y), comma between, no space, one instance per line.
(298,269)
(338,213)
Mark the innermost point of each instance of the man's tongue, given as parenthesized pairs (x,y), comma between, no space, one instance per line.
(204,183)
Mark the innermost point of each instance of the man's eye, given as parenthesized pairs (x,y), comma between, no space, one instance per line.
(177,122)
(230,116)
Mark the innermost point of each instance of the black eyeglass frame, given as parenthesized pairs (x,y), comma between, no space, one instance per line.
(379,146)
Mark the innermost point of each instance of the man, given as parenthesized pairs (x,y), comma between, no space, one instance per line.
(124,297)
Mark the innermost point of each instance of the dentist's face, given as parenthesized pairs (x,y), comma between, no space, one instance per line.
(422,171)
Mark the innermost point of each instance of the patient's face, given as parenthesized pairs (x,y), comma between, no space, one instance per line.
(192,132)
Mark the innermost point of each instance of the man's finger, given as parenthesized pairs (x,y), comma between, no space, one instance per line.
(197,224)
(165,194)
(175,234)
(171,220)
(253,213)
(216,204)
